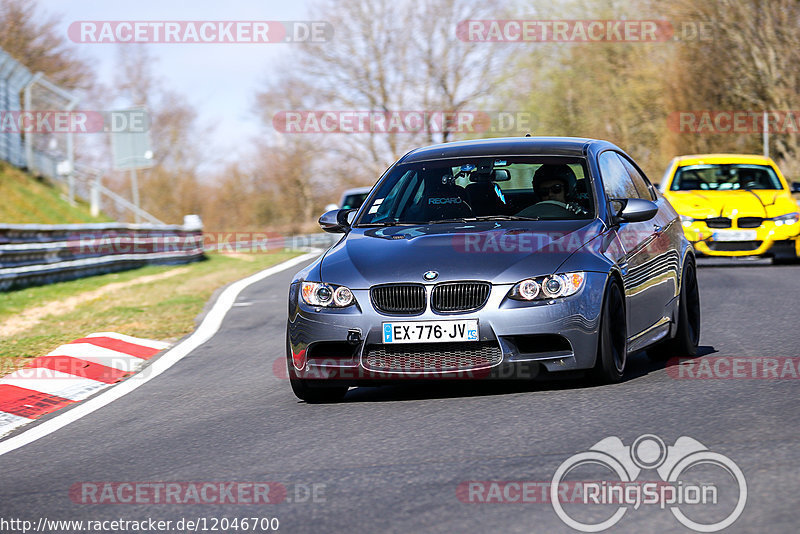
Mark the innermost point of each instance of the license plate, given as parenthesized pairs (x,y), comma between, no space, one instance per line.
(735,235)
(430,331)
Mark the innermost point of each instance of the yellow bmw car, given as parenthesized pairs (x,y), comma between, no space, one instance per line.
(735,205)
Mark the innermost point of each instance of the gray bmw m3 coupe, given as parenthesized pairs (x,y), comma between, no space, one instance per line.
(473,259)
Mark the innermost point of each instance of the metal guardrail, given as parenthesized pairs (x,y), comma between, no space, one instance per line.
(32,254)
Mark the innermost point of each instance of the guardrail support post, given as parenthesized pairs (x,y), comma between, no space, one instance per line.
(95,196)
(135,192)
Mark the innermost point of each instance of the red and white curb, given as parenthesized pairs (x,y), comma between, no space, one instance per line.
(70,374)
(208,327)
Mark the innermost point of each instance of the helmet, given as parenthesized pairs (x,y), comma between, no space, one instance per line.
(562,172)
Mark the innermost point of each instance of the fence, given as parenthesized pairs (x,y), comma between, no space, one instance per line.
(13,79)
(52,154)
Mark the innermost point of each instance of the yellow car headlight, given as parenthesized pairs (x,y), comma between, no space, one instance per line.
(789,218)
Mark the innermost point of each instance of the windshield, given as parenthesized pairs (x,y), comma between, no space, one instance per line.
(725,177)
(482,188)
(353,201)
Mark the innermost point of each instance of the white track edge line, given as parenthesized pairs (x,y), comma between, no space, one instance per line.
(210,326)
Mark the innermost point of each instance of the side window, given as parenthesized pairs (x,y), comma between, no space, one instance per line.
(617,182)
(640,182)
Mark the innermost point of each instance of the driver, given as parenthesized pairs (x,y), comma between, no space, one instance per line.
(552,189)
(557,183)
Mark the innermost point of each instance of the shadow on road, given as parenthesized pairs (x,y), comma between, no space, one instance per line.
(743,262)
(639,365)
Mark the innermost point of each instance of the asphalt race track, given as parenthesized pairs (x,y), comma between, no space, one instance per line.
(392,459)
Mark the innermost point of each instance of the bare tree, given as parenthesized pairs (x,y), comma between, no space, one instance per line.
(391,56)
(605,90)
(33,40)
(171,188)
(748,62)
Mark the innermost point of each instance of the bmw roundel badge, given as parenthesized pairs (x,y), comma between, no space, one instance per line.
(430,275)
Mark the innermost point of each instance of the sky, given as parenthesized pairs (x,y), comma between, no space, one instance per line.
(219,80)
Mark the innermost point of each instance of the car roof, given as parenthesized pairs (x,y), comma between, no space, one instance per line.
(699,159)
(506,146)
(357,190)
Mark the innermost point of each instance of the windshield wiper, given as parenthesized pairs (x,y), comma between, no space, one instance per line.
(388,223)
(485,218)
(445,221)
(501,218)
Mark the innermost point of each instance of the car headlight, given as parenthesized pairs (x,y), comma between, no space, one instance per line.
(548,287)
(686,221)
(326,295)
(789,218)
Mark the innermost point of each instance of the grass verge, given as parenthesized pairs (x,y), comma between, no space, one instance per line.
(28,200)
(162,307)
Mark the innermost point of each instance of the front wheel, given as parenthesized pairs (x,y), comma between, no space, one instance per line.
(612,346)
(687,335)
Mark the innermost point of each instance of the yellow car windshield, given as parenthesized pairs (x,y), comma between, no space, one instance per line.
(722,177)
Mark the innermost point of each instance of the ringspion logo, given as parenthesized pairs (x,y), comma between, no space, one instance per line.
(683,467)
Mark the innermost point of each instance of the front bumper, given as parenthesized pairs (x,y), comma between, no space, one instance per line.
(767,240)
(558,335)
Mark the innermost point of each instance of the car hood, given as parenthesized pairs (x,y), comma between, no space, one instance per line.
(732,204)
(498,252)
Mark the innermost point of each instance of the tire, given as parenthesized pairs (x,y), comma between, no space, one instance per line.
(612,345)
(786,261)
(304,391)
(687,335)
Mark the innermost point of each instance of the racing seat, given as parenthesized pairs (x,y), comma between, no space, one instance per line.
(689,183)
(484,200)
(444,201)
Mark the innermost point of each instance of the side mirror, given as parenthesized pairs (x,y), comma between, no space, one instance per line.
(635,210)
(336,221)
(795,187)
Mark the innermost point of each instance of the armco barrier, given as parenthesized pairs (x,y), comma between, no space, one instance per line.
(33,254)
